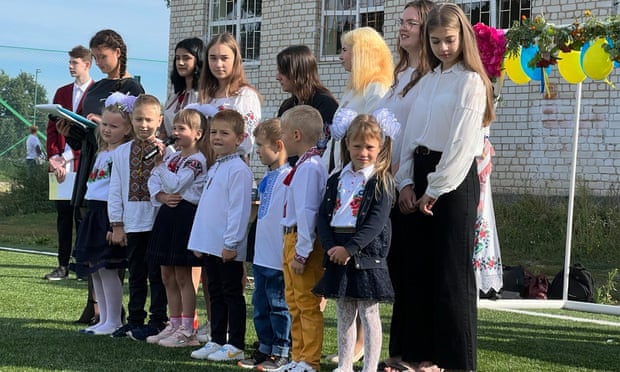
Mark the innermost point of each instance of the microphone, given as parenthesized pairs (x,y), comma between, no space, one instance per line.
(169,141)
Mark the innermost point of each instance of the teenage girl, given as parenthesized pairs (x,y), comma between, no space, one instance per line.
(188,61)
(223,85)
(438,182)
(93,250)
(354,228)
(175,186)
(399,101)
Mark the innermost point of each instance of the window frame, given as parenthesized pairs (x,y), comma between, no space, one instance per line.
(356,13)
(236,23)
(495,11)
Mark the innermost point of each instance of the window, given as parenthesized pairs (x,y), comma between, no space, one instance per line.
(340,16)
(241,18)
(497,13)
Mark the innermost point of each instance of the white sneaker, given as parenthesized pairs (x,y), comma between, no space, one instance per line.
(302,367)
(209,348)
(290,366)
(166,332)
(204,332)
(227,353)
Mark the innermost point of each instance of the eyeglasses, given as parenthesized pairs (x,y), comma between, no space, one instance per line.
(408,24)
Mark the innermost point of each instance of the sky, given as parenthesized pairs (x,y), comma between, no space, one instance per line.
(37,34)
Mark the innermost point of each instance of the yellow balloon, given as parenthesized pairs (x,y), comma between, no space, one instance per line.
(596,62)
(512,65)
(570,67)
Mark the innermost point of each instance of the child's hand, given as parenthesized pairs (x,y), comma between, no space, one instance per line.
(228,255)
(172,200)
(118,236)
(425,204)
(94,117)
(161,150)
(406,200)
(60,174)
(338,255)
(297,267)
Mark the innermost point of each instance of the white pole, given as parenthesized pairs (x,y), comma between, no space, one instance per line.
(571,195)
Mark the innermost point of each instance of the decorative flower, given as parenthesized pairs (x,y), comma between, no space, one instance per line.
(492,46)
(123,101)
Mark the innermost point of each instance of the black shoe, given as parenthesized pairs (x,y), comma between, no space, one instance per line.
(256,359)
(122,331)
(142,332)
(88,314)
(273,364)
(58,273)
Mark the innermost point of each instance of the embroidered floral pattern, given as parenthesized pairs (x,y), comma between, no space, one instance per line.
(481,242)
(100,173)
(356,200)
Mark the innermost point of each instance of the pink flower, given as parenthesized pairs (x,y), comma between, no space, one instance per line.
(491,45)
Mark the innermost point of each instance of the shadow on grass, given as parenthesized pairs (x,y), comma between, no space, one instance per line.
(541,342)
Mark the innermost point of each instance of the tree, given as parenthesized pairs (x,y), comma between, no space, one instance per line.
(19,93)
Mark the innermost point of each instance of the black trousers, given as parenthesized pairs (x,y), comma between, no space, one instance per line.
(227,301)
(65,217)
(438,315)
(142,277)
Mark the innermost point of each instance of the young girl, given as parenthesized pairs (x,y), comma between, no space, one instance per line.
(354,228)
(438,178)
(188,61)
(175,186)
(219,232)
(94,252)
(368,59)
(223,84)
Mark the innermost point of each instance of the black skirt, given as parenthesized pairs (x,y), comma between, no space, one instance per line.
(92,250)
(347,281)
(171,230)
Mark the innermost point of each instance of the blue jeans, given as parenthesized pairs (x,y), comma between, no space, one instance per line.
(271,318)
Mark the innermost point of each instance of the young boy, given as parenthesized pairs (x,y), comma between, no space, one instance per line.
(131,216)
(271,318)
(302,127)
(219,232)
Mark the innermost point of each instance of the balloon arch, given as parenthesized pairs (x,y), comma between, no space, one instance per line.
(528,51)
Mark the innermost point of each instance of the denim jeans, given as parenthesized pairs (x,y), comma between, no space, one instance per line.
(271,318)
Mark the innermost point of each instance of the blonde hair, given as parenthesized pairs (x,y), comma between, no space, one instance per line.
(115,109)
(365,127)
(146,99)
(371,60)
(451,16)
(307,120)
(270,128)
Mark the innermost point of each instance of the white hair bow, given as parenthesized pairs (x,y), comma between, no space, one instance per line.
(123,101)
(344,116)
(206,109)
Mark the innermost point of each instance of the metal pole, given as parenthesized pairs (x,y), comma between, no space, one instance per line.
(36,86)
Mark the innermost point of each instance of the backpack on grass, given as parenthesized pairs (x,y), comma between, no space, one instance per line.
(580,285)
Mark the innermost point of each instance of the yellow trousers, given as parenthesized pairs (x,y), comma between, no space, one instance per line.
(303,305)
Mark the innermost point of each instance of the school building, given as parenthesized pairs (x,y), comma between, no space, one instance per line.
(533,135)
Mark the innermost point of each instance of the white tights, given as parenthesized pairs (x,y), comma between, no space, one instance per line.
(109,291)
(346,311)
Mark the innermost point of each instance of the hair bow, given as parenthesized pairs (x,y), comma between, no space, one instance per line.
(342,120)
(123,101)
(206,109)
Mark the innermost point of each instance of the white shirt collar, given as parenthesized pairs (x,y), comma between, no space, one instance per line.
(367,172)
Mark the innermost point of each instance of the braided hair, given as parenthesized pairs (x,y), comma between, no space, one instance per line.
(112,40)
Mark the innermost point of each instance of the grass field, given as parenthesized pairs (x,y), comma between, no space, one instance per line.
(38,334)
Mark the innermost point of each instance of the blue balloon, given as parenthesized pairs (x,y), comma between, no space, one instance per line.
(534,73)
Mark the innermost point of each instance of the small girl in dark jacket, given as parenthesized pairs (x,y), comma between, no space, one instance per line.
(354,228)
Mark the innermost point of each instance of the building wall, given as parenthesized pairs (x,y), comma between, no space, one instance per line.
(533,136)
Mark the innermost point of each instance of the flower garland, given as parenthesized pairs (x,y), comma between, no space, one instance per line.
(492,46)
(551,39)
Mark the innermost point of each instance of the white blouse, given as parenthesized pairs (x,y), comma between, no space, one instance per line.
(247,103)
(173,106)
(178,174)
(446,116)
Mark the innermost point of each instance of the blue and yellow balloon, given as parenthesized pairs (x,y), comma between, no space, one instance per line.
(534,73)
(595,61)
(569,66)
(512,65)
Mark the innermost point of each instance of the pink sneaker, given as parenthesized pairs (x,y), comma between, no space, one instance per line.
(180,338)
(167,332)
